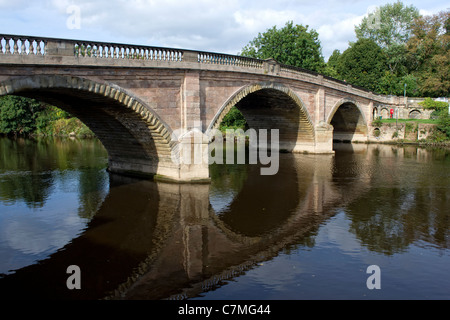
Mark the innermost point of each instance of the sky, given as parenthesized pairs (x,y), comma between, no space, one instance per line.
(208,25)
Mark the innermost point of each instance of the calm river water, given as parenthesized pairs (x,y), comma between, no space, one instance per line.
(309,232)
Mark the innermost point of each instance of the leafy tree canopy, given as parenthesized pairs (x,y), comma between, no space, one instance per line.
(389,25)
(293,45)
(362,64)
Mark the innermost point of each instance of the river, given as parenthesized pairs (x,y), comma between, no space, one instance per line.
(315,230)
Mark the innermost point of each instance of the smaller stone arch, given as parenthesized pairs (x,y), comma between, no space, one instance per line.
(341,102)
(384,113)
(375,113)
(348,120)
(415,114)
(281,103)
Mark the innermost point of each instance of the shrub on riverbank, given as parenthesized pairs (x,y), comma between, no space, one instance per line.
(23,116)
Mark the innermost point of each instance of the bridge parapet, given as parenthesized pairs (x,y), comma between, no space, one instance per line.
(20,49)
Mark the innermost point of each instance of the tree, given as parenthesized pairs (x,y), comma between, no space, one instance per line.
(429,54)
(362,64)
(18,115)
(331,66)
(390,26)
(292,45)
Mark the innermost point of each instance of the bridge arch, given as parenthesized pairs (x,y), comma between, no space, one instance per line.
(137,140)
(348,120)
(269,105)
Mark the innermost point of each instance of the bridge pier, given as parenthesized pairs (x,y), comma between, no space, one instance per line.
(321,144)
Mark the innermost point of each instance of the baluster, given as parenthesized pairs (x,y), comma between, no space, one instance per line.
(7,46)
(34,47)
(15,47)
(1,45)
(38,47)
(22,46)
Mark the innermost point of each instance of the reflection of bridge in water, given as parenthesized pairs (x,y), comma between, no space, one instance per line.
(151,240)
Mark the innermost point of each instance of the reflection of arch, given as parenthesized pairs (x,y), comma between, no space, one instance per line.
(268,105)
(129,130)
(348,121)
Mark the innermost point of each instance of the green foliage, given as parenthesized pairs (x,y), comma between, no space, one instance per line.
(233,120)
(331,65)
(23,116)
(18,115)
(71,126)
(415,47)
(429,103)
(389,25)
(362,64)
(293,45)
(444,123)
(377,123)
(428,54)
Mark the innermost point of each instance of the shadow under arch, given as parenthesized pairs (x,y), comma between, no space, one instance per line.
(269,105)
(135,137)
(348,121)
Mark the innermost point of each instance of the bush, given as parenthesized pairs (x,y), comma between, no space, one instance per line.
(23,116)
(429,103)
(444,124)
(233,120)
(18,115)
(377,123)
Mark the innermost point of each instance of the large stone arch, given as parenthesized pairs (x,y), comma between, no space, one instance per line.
(269,105)
(137,140)
(348,120)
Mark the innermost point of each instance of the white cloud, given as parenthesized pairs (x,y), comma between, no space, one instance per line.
(338,33)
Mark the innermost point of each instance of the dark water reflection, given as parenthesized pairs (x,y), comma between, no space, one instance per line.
(308,232)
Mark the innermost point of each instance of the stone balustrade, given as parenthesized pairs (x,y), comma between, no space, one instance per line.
(102,51)
(24,45)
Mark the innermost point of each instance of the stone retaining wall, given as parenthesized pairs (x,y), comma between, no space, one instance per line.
(409,132)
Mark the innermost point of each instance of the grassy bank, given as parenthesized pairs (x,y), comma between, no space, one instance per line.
(427,121)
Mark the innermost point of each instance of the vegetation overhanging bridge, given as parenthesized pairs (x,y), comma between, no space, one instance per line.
(141,101)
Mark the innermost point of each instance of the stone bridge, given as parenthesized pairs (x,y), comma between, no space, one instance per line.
(142,101)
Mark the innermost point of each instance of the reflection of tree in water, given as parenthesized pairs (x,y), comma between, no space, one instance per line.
(30,168)
(93,185)
(376,219)
(32,188)
(388,220)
